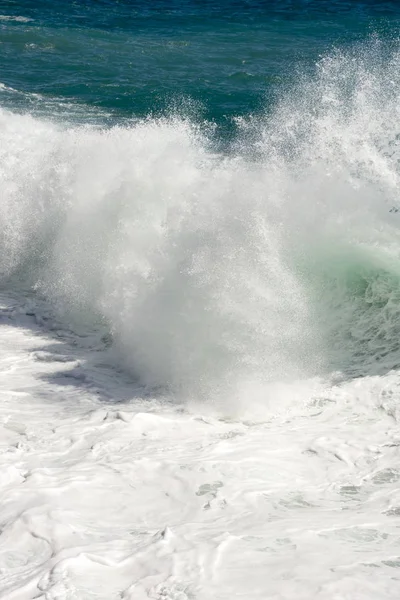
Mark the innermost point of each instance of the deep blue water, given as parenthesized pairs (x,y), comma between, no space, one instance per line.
(117,59)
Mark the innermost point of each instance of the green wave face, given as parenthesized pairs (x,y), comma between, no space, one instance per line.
(354,293)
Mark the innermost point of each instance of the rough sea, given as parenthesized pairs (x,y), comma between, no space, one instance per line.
(199,300)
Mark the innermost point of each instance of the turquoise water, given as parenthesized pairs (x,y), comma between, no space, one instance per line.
(217,60)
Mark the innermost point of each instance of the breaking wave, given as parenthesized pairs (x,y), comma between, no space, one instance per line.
(274,261)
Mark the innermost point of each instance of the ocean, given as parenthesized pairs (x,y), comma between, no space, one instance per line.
(199,299)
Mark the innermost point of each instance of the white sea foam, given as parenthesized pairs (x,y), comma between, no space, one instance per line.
(18,18)
(107,494)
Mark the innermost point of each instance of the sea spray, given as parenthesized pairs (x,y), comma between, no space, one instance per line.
(221,272)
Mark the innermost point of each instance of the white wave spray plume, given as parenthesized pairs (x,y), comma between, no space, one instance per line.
(219,275)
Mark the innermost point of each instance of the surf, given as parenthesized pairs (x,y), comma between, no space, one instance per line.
(216,272)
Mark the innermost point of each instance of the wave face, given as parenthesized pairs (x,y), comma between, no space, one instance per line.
(275,261)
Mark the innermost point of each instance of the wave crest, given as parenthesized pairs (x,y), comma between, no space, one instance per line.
(212,271)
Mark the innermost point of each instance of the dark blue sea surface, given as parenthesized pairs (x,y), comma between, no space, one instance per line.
(118,59)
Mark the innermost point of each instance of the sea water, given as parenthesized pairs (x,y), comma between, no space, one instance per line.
(200,246)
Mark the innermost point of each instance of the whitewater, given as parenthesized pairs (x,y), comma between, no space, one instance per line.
(200,348)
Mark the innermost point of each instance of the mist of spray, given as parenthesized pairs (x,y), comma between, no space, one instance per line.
(221,273)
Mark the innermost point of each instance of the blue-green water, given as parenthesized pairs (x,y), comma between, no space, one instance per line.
(130,58)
